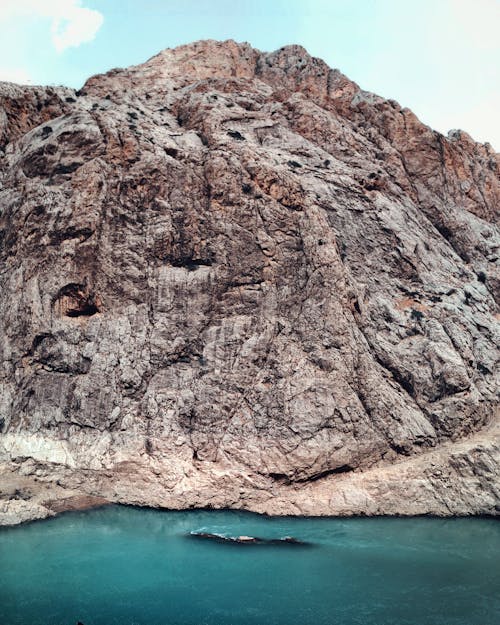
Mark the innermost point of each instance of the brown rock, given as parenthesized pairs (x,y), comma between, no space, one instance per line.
(235,279)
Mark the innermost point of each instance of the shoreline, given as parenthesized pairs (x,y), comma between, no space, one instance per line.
(109,504)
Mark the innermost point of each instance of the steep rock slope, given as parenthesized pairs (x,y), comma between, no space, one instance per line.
(232,278)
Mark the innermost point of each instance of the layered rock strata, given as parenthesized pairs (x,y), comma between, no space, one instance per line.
(236,279)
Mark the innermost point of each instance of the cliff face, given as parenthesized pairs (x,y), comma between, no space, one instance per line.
(232,278)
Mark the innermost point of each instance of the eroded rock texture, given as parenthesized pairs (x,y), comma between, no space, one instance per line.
(232,278)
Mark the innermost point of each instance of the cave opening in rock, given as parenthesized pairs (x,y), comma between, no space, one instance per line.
(75,300)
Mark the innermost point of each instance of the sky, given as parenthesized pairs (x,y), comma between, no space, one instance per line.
(440,58)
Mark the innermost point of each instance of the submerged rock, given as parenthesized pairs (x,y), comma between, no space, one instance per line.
(248,540)
(235,279)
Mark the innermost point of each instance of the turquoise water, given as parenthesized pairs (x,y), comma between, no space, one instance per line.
(128,566)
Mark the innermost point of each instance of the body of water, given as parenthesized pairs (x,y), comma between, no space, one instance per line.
(127,566)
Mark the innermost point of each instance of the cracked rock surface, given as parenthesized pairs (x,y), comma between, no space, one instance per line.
(235,279)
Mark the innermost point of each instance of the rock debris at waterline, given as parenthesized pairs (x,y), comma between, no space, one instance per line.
(235,279)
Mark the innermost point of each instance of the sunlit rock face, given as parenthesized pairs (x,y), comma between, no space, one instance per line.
(235,279)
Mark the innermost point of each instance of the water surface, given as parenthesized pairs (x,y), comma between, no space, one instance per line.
(128,566)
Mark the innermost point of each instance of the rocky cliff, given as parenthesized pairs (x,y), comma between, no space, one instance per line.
(236,279)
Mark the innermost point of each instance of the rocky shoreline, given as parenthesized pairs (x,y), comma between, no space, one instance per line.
(461,480)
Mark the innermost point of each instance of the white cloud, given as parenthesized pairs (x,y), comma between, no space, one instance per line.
(71,26)
(18,75)
(78,25)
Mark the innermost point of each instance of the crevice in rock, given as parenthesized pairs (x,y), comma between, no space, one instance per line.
(345,468)
(72,232)
(67,169)
(280,477)
(285,479)
(173,152)
(189,263)
(234,134)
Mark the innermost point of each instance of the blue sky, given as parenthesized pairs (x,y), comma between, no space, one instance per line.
(440,58)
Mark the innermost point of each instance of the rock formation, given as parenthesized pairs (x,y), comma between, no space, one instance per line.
(235,279)
(284,541)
